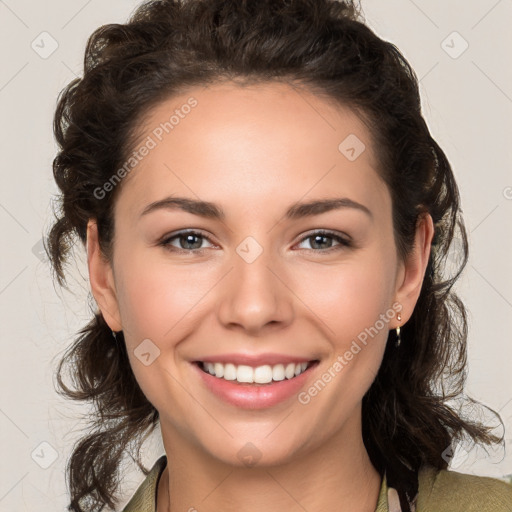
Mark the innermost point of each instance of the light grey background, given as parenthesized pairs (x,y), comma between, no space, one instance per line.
(467,101)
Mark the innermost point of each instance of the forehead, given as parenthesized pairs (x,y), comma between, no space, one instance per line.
(260,141)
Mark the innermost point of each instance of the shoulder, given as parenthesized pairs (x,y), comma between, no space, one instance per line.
(144,499)
(441,489)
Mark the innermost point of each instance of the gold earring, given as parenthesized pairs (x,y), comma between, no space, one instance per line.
(398,337)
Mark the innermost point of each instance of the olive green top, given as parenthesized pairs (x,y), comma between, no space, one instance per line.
(439,491)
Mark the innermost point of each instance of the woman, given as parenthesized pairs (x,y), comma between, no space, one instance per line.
(266,218)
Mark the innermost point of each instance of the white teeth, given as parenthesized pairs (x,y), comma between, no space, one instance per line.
(289,371)
(230,372)
(218,369)
(263,374)
(278,372)
(244,374)
(259,375)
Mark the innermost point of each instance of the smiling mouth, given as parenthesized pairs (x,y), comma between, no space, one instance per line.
(263,375)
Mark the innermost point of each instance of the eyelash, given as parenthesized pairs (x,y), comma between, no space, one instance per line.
(342,241)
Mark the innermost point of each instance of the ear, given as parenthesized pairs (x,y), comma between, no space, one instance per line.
(412,270)
(101,278)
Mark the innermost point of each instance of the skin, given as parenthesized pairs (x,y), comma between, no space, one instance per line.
(255,151)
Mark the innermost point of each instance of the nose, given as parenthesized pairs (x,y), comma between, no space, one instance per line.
(254,296)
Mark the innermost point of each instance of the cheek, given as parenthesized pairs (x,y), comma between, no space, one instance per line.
(161,303)
(350,297)
(350,302)
(160,298)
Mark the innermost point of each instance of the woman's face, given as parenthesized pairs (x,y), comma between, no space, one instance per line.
(254,280)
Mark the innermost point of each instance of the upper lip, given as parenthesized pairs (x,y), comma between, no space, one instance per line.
(254,360)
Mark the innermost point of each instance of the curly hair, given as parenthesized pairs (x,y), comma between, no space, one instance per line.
(324,46)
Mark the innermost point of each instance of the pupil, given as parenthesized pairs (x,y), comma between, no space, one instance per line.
(316,237)
(189,239)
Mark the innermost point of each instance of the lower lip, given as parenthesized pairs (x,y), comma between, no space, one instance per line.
(254,396)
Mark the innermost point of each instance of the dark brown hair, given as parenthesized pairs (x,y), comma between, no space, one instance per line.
(325,47)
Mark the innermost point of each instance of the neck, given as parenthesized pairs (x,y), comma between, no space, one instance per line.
(336,475)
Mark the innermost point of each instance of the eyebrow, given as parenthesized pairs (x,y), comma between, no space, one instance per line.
(212,211)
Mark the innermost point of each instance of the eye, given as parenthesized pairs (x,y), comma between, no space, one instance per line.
(320,239)
(189,241)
